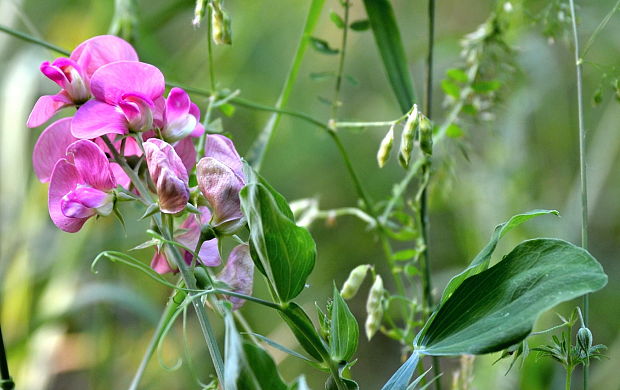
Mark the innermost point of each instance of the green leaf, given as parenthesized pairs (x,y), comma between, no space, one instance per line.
(454,131)
(336,19)
(402,376)
(344,333)
(450,88)
(360,25)
(457,75)
(387,36)
(486,86)
(497,308)
(263,370)
(227,109)
(322,46)
(284,252)
(304,331)
(483,258)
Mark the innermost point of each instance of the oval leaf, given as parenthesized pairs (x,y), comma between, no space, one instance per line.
(344,334)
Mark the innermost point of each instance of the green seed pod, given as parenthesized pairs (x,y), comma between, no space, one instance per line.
(354,281)
(426,136)
(584,340)
(383,154)
(220,24)
(199,12)
(374,307)
(407,137)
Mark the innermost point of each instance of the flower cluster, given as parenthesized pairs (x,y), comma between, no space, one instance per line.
(120,103)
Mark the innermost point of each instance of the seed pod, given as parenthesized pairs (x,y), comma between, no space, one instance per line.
(584,340)
(383,154)
(426,136)
(354,281)
(374,307)
(407,137)
(220,23)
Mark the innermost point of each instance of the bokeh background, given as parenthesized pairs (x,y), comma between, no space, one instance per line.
(69,328)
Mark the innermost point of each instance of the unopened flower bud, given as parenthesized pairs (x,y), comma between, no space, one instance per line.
(407,137)
(426,136)
(584,340)
(354,281)
(220,23)
(374,308)
(383,154)
(199,12)
(168,174)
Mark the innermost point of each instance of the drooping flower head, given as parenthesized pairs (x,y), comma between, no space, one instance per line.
(168,174)
(238,273)
(73,74)
(181,117)
(220,178)
(80,186)
(188,235)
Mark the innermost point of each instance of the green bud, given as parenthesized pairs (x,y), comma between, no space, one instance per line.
(354,281)
(383,154)
(199,12)
(426,136)
(584,340)
(220,24)
(374,308)
(407,137)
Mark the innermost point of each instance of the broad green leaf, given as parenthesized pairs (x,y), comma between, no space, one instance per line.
(304,331)
(401,378)
(344,334)
(322,46)
(387,36)
(486,86)
(336,19)
(283,252)
(482,259)
(457,75)
(360,25)
(497,308)
(263,370)
(450,88)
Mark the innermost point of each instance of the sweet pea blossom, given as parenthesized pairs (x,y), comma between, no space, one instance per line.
(238,273)
(220,178)
(127,94)
(80,186)
(189,235)
(181,117)
(168,174)
(73,74)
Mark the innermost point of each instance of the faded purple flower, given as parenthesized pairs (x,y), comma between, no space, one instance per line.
(238,273)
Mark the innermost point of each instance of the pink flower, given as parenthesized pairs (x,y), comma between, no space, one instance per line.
(73,74)
(181,117)
(238,273)
(126,95)
(80,186)
(190,234)
(168,174)
(220,178)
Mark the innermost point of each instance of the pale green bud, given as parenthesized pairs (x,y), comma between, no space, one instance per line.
(426,136)
(407,137)
(199,12)
(220,24)
(354,281)
(383,154)
(584,340)
(374,308)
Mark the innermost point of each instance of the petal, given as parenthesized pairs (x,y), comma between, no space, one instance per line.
(119,174)
(160,264)
(186,151)
(51,147)
(95,119)
(173,193)
(210,253)
(199,129)
(159,153)
(46,107)
(64,179)
(220,186)
(83,202)
(54,73)
(101,50)
(92,165)
(222,148)
(238,273)
(110,82)
(177,104)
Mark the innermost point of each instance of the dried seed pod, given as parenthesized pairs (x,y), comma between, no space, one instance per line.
(354,281)
(407,137)
(383,154)
(374,307)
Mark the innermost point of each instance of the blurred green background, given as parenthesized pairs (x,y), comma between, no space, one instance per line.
(68,328)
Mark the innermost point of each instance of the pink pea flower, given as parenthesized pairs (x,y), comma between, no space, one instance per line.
(238,273)
(181,117)
(168,174)
(80,186)
(73,74)
(189,235)
(220,178)
(126,96)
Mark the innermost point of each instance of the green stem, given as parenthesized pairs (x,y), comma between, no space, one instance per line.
(210,49)
(569,374)
(6,382)
(582,165)
(258,149)
(343,49)
(31,39)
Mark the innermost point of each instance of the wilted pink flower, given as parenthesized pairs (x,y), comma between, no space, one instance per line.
(238,273)
(181,117)
(73,74)
(126,95)
(80,186)
(220,178)
(189,235)
(168,174)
